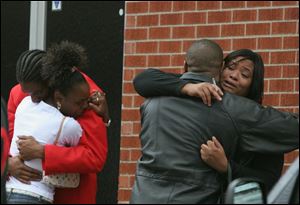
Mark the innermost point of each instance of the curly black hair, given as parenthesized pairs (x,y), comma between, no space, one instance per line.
(61,66)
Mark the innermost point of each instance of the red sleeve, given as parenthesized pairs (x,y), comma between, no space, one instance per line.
(89,156)
(15,97)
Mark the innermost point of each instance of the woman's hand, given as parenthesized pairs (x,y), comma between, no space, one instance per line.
(203,90)
(98,103)
(20,171)
(29,148)
(213,154)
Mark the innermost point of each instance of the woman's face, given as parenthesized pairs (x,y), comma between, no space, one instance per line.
(236,77)
(76,101)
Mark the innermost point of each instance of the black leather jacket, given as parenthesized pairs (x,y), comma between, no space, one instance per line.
(171,170)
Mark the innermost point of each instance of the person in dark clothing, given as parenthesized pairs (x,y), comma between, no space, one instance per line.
(265,167)
(4,150)
(170,169)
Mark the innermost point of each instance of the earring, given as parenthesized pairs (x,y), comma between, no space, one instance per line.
(58,105)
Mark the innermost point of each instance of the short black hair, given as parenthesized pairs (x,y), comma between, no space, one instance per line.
(29,65)
(204,55)
(256,90)
(61,66)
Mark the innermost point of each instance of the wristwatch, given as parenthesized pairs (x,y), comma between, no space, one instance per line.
(107,124)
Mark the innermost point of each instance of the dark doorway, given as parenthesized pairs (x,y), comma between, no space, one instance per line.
(99,27)
(15,18)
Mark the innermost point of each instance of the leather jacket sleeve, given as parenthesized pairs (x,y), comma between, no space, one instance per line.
(153,82)
(262,130)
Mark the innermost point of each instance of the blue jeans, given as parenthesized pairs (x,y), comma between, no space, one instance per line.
(16,198)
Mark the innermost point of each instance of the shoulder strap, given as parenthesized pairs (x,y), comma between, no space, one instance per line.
(59,131)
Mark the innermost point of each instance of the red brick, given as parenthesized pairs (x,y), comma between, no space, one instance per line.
(265,56)
(128,74)
(172,70)
(158,60)
(281,85)
(233,4)
(131,180)
(124,155)
(244,15)
(130,115)
(225,44)
(136,7)
(233,30)
(127,168)
(130,142)
(135,155)
(289,100)
(128,88)
(291,14)
(184,5)
(291,42)
(130,21)
(290,71)
(177,60)
(258,29)
(208,31)
(170,47)
(284,3)
(129,48)
(269,43)
(147,20)
(127,101)
(135,61)
(146,47)
(124,195)
(219,17)
(206,5)
(249,43)
(266,86)
(194,18)
(297,85)
(270,14)
(187,44)
(271,99)
(273,71)
(138,101)
(136,128)
(160,33)
(159,6)
(283,57)
(184,32)
(127,128)
(135,34)
(258,3)
(170,19)
(124,181)
(284,27)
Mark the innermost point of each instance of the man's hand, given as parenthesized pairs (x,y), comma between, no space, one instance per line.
(213,154)
(29,148)
(97,102)
(205,91)
(20,171)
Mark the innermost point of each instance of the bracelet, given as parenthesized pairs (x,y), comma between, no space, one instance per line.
(107,124)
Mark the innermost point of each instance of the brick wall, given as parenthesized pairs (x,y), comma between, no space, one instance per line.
(157,34)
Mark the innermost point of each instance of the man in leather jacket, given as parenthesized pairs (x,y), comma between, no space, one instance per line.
(170,169)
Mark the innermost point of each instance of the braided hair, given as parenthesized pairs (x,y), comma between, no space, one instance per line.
(60,66)
(29,65)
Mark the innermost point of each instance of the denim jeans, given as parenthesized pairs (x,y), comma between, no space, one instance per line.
(16,198)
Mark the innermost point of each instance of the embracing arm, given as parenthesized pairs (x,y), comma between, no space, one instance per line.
(90,154)
(153,82)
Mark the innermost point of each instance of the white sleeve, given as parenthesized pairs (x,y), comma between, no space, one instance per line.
(71,133)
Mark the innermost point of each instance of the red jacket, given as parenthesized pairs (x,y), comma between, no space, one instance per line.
(88,158)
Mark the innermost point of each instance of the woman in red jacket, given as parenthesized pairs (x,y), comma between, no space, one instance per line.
(87,158)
